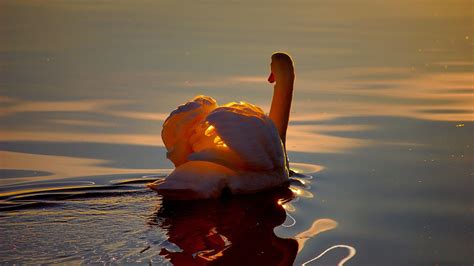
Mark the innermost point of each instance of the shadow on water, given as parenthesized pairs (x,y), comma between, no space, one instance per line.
(235,230)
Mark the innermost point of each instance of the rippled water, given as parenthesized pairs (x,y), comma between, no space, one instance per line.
(121,221)
(380,132)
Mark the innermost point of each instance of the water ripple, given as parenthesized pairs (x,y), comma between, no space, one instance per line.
(352,252)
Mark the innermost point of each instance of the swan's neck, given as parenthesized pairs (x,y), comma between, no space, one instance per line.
(281,105)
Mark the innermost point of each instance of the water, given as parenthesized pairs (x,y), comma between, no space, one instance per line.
(381,131)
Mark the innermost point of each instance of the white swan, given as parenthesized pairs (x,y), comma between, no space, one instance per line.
(233,147)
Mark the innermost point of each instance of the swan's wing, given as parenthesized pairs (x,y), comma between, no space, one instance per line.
(247,139)
(179,126)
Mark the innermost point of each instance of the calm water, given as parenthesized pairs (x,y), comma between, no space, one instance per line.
(381,131)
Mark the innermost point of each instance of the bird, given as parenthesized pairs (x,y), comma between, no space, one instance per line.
(232,148)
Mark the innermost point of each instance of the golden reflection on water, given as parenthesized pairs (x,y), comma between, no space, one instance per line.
(99,106)
(84,123)
(405,92)
(441,96)
(414,95)
(305,168)
(300,192)
(364,91)
(18,106)
(415,64)
(50,136)
(59,166)
(300,137)
(304,138)
(318,226)
(352,252)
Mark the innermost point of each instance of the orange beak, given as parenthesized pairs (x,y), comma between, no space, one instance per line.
(271,78)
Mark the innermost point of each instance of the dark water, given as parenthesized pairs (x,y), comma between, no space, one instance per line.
(381,131)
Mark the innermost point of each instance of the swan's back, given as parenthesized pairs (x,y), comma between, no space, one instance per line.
(239,143)
(248,132)
(237,135)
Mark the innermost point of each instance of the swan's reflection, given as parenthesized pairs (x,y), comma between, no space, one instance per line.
(231,231)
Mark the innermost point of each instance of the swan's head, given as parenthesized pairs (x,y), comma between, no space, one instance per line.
(281,68)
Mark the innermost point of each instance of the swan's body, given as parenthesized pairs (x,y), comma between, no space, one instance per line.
(233,147)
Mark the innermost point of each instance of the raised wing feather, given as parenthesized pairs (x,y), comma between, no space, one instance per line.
(179,127)
(248,134)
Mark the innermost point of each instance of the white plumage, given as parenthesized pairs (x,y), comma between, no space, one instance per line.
(235,146)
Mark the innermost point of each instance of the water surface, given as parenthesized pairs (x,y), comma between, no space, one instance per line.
(380,132)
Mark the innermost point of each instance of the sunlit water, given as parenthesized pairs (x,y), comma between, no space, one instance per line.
(381,131)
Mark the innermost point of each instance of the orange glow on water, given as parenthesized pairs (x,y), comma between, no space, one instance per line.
(63,167)
(318,226)
(369,74)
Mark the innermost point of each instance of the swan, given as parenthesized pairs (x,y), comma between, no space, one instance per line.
(232,148)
